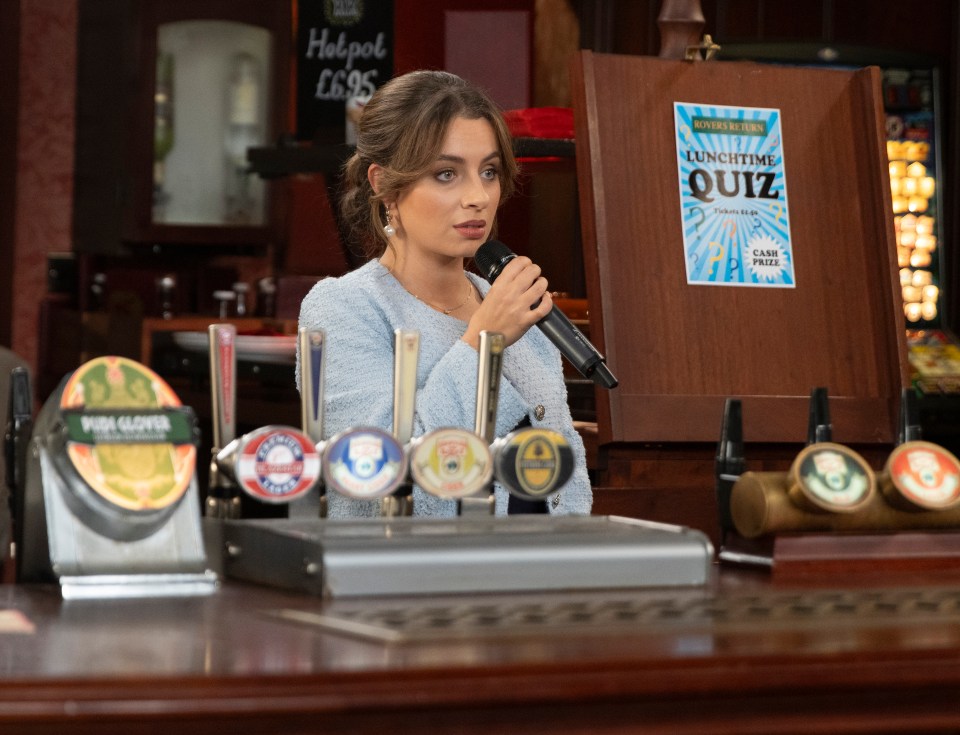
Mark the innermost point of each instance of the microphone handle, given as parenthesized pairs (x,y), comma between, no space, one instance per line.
(576,348)
(561,331)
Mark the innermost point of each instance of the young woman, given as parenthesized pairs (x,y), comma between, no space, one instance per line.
(433,163)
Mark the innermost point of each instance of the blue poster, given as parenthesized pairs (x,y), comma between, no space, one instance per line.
(733,196)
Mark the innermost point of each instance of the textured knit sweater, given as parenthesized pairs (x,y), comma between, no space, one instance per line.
(360,311)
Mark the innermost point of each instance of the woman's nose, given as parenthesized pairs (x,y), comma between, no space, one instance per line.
(477,193)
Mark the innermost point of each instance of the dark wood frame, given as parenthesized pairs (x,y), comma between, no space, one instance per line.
(113,193)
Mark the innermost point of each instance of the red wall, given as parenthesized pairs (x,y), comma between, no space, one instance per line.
(44,190)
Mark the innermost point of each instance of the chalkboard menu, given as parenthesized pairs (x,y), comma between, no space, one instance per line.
(344,52)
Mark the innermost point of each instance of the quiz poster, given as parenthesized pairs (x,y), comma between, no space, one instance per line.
(733,196)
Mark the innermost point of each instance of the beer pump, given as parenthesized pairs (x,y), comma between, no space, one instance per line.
(919,475)
(110,504)
(366,462)
(489,371)
(311,343)
(406,354)
(476,551)
(223,500)
(454,463)
(273,464)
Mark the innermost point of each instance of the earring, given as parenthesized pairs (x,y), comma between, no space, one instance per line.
(389,229)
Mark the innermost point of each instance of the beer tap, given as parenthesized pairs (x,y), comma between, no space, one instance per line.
(530,463)
(492,345)
(312,343)
(279,465)
(223,500)
(363,462)
(406,354)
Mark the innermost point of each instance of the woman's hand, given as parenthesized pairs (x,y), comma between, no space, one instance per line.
(508,307)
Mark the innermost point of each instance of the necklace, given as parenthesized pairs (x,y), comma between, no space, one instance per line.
(452,309)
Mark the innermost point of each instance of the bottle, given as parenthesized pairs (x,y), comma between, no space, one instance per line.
(243,130)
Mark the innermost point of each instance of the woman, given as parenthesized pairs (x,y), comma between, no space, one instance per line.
(432,165)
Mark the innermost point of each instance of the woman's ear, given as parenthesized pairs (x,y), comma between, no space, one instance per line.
(373,176)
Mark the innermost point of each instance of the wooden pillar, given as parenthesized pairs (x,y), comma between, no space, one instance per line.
(681,25)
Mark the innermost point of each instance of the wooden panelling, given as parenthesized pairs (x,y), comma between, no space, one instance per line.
(678,349)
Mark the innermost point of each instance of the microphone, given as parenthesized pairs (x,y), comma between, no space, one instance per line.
(491,257)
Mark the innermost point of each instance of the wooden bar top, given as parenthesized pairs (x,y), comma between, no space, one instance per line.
(744,654)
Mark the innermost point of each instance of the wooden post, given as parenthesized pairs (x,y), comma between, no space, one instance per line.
(681,25)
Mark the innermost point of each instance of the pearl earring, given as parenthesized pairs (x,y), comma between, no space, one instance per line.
(389,229)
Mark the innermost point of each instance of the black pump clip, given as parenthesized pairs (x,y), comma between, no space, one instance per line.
(730,462)
(819,427)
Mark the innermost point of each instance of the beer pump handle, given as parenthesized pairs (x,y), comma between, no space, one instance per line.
(730,461)
(910,428)
(819,427)
(312,344)
(488,384)
(492,345)
(223,500)
(19,425)
(19,429)
(406,354)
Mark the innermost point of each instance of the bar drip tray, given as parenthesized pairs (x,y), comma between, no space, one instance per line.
(621,613)
(411,556)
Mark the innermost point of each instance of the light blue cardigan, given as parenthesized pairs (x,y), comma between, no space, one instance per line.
(360,312)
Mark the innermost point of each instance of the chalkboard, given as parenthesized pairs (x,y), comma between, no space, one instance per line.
(344,52)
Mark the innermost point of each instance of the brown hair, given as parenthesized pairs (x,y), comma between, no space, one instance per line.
(402,129)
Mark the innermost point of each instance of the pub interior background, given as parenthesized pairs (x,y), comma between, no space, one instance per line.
(72,286)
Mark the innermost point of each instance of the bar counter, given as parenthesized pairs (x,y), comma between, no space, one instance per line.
(743,654)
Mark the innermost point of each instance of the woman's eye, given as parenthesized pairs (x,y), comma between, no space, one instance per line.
(445,175)
(491,173)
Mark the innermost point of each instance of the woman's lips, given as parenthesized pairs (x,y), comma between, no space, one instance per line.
(473,230)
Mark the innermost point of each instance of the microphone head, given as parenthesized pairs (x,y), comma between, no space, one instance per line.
(491,257)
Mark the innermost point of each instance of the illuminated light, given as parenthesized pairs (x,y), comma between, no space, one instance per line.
(913,312)
(926,242)
(907,277)
(900,205)
(928,310)
(920,259)
(916,170)
(908,187)
(898,169)
(930,293)
(908,223)
(903,257)
(924,224)
(911,294)
(893,149)
(907,239)
(927,185)
(917,278)
(916,151)
(918,204)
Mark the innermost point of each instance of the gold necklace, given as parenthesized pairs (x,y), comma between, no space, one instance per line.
(447,312)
